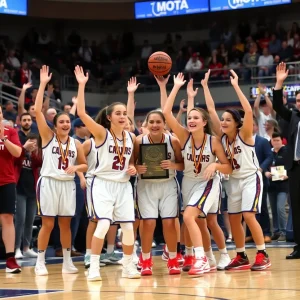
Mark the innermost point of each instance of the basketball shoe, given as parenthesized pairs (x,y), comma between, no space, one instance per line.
(199,267)
(238,264)
(262,262)
(173,266)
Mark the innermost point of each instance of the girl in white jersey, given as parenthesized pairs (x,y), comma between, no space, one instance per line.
(56,187)
(159,196)
(244,187)
(111,192)
(201,184)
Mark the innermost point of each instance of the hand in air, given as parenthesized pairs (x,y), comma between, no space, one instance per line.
(161,80)
(45,77)
(179,80)
(210,171)
(80,77)
(26,86)
(141,169)
(204,81)
(131,170)
(166,164)
(181,106)
(190,89)
(281,72)
(132,85)
(71,170)
(234,78)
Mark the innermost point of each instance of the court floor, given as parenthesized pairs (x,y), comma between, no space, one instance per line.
(280,282)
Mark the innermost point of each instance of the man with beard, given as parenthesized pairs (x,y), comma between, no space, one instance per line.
(26,123)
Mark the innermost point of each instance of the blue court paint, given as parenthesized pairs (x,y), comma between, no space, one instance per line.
(12,293)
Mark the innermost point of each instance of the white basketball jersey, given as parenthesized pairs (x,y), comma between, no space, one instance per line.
(207,158)
(245,162)
(108,165)
(91,159)
(53,164)
(170,155)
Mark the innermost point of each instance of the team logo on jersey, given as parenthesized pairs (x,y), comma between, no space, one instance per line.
(113,149)
(56,150)
(205,158)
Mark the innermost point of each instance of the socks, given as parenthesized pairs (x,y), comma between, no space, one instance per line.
(182,249)
(145,255)
(127,259)
(172,255)
(41,256)
(209,253)
(261,247)
(94,262)
(189,251)
(110,248)
(10,254)
(88,251)
(199,252)
(178,247)
(238,250)
(66,255)
(223,251)
(166,248)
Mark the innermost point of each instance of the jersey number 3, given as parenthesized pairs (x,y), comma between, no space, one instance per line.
(235,165)
(63,165)
(117,165)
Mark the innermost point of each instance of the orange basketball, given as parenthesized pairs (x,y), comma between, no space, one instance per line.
(160,63)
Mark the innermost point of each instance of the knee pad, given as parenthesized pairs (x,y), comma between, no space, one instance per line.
(101,229)
(128,235)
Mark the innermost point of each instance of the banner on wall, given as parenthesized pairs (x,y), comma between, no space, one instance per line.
(289,89)
(13,7)
(221,5)
(156,9)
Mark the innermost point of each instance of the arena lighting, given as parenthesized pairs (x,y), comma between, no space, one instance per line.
(220,5)
(13,7)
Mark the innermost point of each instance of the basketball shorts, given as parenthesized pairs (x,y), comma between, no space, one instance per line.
(112,200)
(8,197)
(88,197)
(244,195)
(56,197)
(157,198)
(202,194)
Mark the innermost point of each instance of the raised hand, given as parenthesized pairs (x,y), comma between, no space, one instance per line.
(262,89)
(45,77)
(281,72)
(204,81)
(74,100)
(132,85)
(80,77)
(181,106)
(234,78)
(161,80)
(179,80)
(190,89)
(26,86)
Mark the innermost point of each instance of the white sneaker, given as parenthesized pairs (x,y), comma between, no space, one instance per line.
(224,261)
(40,269)
(69,268)
(135,258)
(30,254)
(130,271)
(18,254)
(212,263)
(94,275)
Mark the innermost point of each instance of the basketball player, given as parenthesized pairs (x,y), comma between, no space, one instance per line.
(111,192)
(56,187)
(244,187)
(201,185)
(159,196)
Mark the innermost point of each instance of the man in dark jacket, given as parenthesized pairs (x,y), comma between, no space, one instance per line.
(292,163)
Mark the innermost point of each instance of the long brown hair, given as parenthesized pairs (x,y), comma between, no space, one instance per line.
(205,117)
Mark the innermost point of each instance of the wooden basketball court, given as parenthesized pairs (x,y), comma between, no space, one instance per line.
(280,282)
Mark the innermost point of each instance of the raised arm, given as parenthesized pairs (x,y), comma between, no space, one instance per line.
(210,105)
(131,88)
(98,131)
(180,112)
(45,132)
(246,130)
(179,130)
(269,103)
(279,107)
(256,110)
(191,95)
(162,82)
(21,100)
(74,107)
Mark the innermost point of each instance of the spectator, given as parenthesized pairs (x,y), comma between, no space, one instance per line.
(237,50)
(295,29)
(278,190)
(271,126)
(250,61)
(4,77)
(227,37)
(50,114)
(85,52)
(296,48)
(286,52)
(24,75)
(216,64)
(223,53)
(274,45)
(264,42)
(194,65)
(10,113)
(10,149)
(265,63)
(12,60)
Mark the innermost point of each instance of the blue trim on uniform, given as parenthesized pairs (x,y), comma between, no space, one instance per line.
(90,148)
(97,147)
(38,197)
(116,222)
(49,142)
(186,142)
(258,191)
(92,202)
(244,142)
(129,135)
(170,140)
(210,144)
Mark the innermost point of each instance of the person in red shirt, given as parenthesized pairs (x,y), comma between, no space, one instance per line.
(10,148)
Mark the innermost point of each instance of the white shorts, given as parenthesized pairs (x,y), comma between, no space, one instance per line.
(244,195)
(112,200)
(205,195)
(157,197)
(56,197)
(88,197)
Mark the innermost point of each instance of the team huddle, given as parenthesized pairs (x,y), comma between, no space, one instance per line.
(208,150)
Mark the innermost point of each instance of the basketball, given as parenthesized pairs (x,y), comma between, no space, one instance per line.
(159,63)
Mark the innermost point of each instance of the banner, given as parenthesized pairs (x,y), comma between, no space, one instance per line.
(151,9)
(13,7)
(289,89)
(220,5)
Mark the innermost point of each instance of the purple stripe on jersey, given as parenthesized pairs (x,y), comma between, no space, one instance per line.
(103,142)
(186,142)
(255,207)
(244,142)
(49,142)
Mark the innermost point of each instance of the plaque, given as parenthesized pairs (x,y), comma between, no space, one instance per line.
(151,155)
